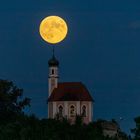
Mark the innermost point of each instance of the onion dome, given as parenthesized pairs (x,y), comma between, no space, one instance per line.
(53,62)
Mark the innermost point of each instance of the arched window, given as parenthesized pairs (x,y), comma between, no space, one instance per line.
(60,110)
(84,111)
(72,111)
(52,71)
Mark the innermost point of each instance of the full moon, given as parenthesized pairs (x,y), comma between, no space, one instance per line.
(53,29)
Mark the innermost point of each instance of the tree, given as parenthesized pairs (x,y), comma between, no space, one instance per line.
(11,102)
(136,131)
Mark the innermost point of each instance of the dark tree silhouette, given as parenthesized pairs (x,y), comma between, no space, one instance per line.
(11,102)
(136,131)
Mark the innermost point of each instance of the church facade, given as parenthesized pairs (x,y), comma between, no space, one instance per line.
(67,99)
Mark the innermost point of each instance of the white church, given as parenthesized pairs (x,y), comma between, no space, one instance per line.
(67,99)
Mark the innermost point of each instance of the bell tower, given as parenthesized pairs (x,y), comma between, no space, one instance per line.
(53,73)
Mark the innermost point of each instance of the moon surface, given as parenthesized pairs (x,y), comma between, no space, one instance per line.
(53,29)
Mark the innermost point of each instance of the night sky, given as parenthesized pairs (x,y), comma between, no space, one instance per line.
(101,49)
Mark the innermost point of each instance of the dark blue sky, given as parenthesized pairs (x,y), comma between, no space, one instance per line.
(101,50)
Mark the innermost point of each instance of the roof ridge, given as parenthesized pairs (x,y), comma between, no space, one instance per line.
(68,82)
(70,91)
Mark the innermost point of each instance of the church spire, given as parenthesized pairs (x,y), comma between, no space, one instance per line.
(53,61)
(53,51)
(53,73)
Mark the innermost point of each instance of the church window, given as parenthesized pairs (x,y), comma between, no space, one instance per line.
(84,111)
(72,111)
(60,111)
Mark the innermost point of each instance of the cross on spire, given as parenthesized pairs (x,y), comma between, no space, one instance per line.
(53,52)
(53,61)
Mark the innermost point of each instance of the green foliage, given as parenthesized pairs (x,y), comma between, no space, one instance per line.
(136,131)
(11,102)
(31,128)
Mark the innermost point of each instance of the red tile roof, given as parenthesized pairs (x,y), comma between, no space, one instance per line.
(70,91)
